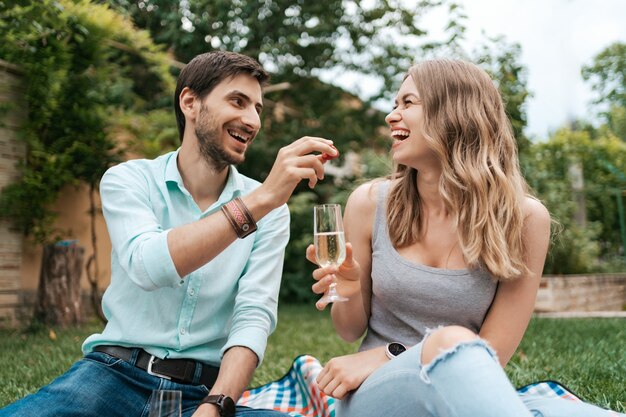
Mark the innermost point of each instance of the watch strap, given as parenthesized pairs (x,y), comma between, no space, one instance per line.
(225,404)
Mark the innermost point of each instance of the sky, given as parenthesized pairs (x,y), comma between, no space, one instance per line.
(558,37)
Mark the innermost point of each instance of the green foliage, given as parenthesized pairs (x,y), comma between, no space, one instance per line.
(147,134)
(578,247)
(296,283)
(501,61)
(296,38)
(607,75)
(80,61)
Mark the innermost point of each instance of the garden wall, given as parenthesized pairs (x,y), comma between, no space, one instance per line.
(12,111)
(597,292)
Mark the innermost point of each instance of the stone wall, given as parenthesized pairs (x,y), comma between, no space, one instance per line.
(12,113)
(599,292)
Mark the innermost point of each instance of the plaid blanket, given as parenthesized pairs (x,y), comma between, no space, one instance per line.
(298,395)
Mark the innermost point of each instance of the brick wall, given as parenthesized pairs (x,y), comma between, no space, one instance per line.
(11,150)
(595,292)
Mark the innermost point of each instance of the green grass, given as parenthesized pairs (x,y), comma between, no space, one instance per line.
(587,355)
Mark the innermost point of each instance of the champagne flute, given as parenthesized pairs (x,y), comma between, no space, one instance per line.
(330,243)
(165,403)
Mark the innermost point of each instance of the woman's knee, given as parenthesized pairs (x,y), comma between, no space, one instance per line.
(444,339)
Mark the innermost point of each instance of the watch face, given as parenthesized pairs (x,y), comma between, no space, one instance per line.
(396,348)
(227,407)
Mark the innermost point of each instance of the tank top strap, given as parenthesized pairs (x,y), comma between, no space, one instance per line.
(379,229)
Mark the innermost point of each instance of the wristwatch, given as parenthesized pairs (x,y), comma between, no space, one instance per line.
(224,403)
(393,349)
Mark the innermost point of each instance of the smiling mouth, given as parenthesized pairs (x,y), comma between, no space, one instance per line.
(239,136)
(400,134)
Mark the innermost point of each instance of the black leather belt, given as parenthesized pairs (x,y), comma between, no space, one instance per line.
(178,370)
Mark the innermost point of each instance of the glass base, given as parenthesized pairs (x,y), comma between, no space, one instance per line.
(333,298)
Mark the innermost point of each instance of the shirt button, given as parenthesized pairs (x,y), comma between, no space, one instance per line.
(182,331)
(191,292)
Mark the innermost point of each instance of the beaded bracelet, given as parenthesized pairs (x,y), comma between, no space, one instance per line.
(239,217)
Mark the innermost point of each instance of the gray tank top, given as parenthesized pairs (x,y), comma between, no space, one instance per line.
(408,298)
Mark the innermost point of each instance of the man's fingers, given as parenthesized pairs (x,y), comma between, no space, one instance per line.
(304,173)
(309,144)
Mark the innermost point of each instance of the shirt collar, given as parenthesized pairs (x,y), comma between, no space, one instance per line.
(234,182)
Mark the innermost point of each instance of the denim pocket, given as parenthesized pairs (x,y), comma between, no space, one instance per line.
(103,359)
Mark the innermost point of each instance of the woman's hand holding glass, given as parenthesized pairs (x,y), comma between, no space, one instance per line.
(346,276)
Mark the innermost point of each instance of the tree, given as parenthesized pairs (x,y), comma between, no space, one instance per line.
(82,61)
(501,61)
(580,247)
(296,37)
(607,75)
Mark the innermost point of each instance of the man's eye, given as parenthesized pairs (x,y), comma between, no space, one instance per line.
(238,102)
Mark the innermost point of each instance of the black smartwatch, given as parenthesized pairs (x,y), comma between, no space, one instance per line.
(225,404)
(394,349)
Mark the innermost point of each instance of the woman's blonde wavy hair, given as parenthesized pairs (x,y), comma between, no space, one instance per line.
(465,124)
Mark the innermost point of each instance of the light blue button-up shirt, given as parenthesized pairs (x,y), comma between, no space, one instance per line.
(230,301)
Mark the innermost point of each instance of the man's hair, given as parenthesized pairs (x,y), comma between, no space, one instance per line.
(207,70)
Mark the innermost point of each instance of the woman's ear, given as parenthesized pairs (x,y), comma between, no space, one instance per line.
(187,101)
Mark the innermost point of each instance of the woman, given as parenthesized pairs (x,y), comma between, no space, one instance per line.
(445,260)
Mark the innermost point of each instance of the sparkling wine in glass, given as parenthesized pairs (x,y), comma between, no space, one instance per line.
(330,243)
(165,403)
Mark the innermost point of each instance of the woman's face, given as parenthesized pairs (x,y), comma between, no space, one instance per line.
(406,123)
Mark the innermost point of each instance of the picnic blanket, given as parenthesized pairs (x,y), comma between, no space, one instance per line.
(298,395)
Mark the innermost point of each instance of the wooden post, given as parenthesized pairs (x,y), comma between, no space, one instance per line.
(58,298)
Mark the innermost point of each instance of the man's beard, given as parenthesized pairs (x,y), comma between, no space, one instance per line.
(213,152)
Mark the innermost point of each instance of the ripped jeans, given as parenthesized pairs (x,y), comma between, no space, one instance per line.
(466,381)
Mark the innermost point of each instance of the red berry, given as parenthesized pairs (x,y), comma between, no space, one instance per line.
(328,157)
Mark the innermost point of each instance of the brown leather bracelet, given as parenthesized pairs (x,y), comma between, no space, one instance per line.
(239,217)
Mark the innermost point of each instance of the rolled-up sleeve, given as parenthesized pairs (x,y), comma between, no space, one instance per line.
(137,237)
(255,313)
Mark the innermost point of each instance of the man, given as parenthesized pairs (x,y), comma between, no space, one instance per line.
(196,261)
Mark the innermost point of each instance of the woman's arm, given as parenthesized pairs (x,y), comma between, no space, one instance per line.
(354,275)
(513,305)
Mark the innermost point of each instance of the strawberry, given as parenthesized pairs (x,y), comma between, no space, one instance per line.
(328,157)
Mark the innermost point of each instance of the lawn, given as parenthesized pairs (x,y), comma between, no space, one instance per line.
(586,355)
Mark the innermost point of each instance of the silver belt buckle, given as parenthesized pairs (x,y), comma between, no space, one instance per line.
(151,372)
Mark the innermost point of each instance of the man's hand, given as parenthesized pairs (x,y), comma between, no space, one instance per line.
(294,163)
(238,365)
(347,275)
(329,157)
(346,373)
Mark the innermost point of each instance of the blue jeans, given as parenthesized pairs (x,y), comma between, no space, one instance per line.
(100,385)
(466,381)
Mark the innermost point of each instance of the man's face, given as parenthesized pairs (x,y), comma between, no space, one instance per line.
(228,120)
